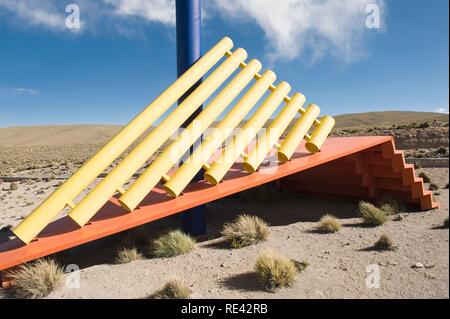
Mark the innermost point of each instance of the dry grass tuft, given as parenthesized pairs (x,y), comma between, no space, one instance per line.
(173,289)
(329,224)
(384,243)
(390,206)
(245,231)
(13,186)
(173,244)
(371,214)
(275,270)
(126,255)
(37,279)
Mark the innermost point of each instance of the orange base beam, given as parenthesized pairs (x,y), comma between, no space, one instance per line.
(373,162)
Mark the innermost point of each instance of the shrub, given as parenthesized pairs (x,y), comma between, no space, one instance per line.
(13,186)
(390,206)
(245,231)
(446,223)
(425,177)
(371,214)
(446,186)
(275,270)
(173,289)
(433,187)
(127,254)
(329,224)
(173,244)
(37,279)
(384,243)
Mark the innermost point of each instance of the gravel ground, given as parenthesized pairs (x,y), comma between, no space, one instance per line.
(338,262)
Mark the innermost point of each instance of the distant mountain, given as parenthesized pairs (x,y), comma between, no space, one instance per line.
(57,134)
(386,119)
(99,134)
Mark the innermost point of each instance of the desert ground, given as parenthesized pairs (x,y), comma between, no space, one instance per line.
(32,165)
(337,262)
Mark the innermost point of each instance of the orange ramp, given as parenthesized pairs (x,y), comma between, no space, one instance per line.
(371,165)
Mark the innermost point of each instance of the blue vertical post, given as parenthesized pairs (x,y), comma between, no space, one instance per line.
(189,50)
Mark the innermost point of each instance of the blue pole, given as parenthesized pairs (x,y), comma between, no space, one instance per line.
(189,50)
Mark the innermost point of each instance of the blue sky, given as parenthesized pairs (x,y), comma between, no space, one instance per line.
(124,54)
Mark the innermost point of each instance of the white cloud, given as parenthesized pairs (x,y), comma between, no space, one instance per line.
(293,27)
(162,11)
(51,14)
(442,110)
(37,13)
(18,91)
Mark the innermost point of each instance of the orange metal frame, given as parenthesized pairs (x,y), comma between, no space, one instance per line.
(375,168)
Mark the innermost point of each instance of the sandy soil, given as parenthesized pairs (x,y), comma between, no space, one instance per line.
(337,261)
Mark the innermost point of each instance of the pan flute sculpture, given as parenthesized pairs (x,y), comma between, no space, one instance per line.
(113,183)
(238,95)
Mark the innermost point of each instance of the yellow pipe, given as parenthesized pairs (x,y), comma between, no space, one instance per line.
(87,208)
(273,133)
(152,175)
(186,172)
(320,134)
(31,226)
(238,144)
(297,133)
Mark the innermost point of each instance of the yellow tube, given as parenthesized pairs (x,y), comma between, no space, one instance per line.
(31,226)
(238,144)
(152,175)
(297,133)
(186,172)
(273,133)
(320,134)
(141,153)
